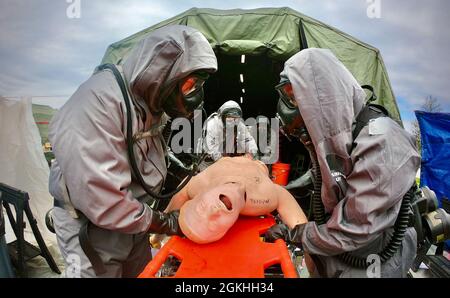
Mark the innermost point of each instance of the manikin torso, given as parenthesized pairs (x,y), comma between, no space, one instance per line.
(213,200)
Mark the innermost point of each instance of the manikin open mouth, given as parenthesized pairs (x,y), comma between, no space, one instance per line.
(226,201)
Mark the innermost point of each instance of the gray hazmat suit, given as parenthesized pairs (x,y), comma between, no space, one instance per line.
(378,171)
(219,141)
(88,136)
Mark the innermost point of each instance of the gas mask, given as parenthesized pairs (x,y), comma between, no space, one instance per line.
(231,116)
(186,97)
(231,121)
(291,121)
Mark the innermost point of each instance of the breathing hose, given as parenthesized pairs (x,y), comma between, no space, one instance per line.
(391,248)
(167,131)
(400,227)
(130,150)
(318,208)
(136,171)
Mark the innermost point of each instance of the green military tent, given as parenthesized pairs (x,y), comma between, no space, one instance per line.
(251,47)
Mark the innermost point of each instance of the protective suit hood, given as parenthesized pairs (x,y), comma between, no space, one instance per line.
(229,105)
(329,99)
(362,185)
(162,59)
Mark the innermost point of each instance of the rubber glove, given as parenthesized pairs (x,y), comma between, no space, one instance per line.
(165,223)
(281,231)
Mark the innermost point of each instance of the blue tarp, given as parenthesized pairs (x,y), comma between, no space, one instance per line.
(435,139)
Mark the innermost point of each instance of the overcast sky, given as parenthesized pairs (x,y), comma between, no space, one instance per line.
(45,53)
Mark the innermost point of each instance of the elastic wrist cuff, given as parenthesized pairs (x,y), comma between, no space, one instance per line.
(296,235)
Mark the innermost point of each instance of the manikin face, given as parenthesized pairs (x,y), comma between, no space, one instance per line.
(208,216)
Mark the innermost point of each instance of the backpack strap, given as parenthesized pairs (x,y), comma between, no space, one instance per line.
(369,112)
(373,97)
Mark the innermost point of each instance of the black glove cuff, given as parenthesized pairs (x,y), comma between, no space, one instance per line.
(158,222)
(296,235)
(165,223)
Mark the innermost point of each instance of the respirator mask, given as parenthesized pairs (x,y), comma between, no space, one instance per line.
(231,116)
(431,223)
(186,97)
(291,121)
(231,121)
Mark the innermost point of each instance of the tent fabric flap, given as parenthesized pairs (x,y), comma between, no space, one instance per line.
(22,162)
(275,32)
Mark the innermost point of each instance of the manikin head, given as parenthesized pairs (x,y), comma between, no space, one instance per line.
(208,216)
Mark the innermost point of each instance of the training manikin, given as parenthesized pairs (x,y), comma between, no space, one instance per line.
(213,200)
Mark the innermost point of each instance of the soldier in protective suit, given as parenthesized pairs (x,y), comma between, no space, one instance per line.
(92,181)
(362,180)
(226,133)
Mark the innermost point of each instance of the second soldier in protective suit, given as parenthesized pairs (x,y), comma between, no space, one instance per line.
(226,133)
(361,178)
(92,181)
